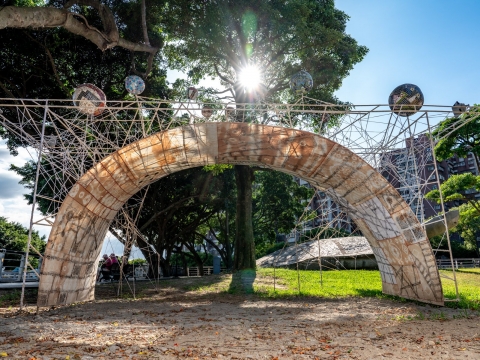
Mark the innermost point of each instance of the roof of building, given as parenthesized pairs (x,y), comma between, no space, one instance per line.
(309,251)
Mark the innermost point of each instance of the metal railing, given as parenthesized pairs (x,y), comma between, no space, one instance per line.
(207,270)
(12,265)
(458,263)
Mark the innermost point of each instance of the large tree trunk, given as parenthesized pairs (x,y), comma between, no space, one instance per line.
(228,255)
(244,257)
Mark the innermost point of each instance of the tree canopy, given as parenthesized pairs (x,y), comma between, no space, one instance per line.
(459,136)
(106,31)
(14,236)
(224,39)
(88,41)
(462,187)
(220,38)
(278,204)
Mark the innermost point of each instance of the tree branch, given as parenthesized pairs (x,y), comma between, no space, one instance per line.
(48,17)
(222,77)
(222,254)
(117,235)
(475,205)
(106,15)
(8,92)
(144,24)
(167,209)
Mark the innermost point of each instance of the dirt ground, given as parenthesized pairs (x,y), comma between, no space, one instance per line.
(174,322)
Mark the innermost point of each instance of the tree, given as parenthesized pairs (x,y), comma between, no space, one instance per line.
(49,63)
(55,16)
(278,203)
(14,236)
(175,208)
(469,225)
(278,38)
(220,225)
(459,136)
(459,188)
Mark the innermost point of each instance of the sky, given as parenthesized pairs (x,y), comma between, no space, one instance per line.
(430,43)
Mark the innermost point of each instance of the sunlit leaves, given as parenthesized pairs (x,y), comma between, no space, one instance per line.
(458,135)
(281,38)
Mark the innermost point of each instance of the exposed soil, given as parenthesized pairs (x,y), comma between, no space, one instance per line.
(176,322)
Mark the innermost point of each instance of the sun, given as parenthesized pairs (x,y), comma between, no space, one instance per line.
(250,77)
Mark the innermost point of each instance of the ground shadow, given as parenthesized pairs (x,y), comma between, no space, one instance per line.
(242,282)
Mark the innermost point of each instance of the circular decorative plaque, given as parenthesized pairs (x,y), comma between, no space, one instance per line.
(301,82)
(89,99)
(134,84)
(406,99)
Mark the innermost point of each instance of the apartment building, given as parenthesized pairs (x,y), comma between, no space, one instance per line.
(414,171)
(328,214)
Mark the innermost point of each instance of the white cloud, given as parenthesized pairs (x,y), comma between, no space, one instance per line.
(13,205)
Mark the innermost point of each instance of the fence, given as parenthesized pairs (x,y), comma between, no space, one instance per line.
(458,263)
(207,270)
(12,266)
(193,271)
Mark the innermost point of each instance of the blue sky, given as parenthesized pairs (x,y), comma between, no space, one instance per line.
(430,43)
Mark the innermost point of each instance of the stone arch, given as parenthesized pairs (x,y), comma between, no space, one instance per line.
(400,245)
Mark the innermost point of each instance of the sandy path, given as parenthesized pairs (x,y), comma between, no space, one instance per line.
(177,324)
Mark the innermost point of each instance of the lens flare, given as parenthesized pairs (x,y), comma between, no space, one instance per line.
(250,77)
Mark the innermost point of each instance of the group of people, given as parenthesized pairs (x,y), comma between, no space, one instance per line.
(106,267)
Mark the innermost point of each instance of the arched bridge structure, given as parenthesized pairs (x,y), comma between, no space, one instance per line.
(402,250)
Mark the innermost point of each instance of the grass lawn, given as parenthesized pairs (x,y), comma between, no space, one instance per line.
(362,283)
(468,287)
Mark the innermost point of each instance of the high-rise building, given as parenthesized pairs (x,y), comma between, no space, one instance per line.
(414,171)
(328,213)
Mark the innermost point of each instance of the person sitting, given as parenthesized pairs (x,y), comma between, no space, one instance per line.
(113,258)
(106,268)
(114,267)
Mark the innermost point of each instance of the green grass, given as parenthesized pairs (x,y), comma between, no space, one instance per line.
(468,281)
(334,283)
(367,283)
